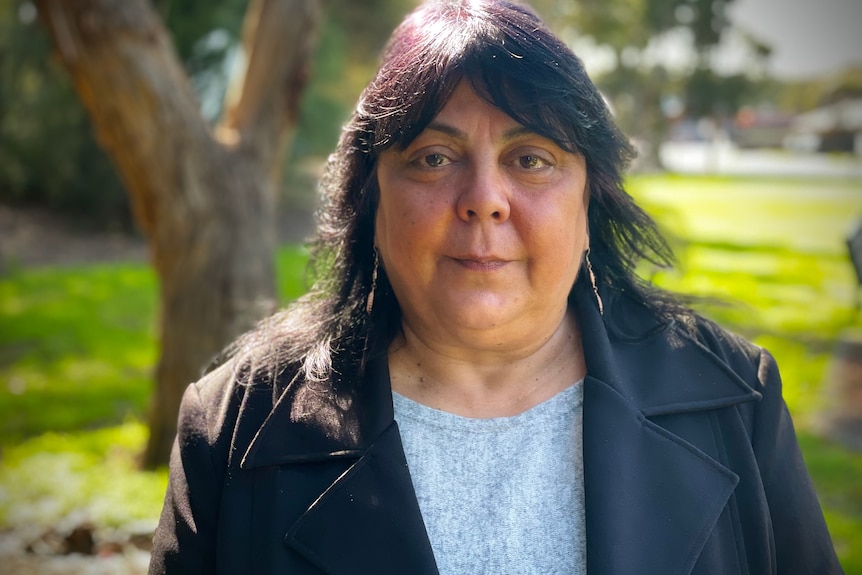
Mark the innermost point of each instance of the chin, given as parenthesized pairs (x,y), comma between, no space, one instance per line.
(479,316)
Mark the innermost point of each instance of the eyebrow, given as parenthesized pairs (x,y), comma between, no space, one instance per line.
(461,135)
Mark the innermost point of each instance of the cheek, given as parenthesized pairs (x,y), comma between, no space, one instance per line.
(564,238)
(566,227)
(580,223)
(400,233)
(410,215)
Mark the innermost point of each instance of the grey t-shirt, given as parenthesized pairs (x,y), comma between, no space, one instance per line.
(501,495)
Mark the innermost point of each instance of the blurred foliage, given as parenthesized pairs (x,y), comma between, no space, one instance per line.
(48,155)
(639,87)
(351,39)
(708,94)
(803,96)
(192,21)
(625,24)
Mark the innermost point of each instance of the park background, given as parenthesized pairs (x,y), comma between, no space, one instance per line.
(751,160)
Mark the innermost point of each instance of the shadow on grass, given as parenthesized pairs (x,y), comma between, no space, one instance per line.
(837,476)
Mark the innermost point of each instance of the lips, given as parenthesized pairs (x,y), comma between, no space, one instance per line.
(481,263)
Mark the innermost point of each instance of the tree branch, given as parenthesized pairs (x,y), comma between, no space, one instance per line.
(136,92)
(267,101)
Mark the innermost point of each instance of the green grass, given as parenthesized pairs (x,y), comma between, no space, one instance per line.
(772,252)
(81,476)
(77,350)
(836,475)
(77,347)
(78,344)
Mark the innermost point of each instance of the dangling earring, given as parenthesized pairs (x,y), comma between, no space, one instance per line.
(369,303)
(593,282)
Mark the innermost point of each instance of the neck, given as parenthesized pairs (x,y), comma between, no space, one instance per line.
(487,382)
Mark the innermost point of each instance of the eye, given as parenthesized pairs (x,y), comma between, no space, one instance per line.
(532,162)
(434,160)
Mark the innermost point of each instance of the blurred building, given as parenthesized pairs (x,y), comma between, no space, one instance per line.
(761,128)
(835,127)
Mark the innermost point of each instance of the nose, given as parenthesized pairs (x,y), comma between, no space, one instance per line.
(485,196)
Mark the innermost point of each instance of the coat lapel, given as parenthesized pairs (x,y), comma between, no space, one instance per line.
(652,498)
(367,520)
(320,420)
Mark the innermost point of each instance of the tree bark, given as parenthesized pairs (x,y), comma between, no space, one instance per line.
(204,198)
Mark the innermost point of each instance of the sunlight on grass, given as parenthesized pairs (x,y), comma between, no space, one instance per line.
(77,347)
(772,253)
(78,344)
(807,215)
(83,476)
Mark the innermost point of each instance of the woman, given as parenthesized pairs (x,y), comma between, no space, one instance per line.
(555,414)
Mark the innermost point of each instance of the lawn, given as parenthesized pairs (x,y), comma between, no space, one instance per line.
(77,354)
(77,345)
(772,252)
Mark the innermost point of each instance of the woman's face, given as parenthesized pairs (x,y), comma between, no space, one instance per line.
(481,226)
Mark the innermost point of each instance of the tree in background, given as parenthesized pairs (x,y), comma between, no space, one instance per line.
(640,85)
(204,198)
(72,176)
(48,157)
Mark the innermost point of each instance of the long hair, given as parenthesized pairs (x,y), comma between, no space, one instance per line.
(517,65)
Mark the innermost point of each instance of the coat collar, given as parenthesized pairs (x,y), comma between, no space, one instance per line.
(652,499)
(660,369)
(319,420)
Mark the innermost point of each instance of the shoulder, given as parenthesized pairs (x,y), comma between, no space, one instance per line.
(222,408)
(207,403)
(680,328)
(724,343)
(207,415)
(749,361)
(689,338)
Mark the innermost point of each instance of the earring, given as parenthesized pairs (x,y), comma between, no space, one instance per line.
(369,303)
(593,282)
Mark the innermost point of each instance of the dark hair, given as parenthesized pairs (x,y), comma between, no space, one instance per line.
(516,64)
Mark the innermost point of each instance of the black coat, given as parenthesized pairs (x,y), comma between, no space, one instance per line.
(691,465)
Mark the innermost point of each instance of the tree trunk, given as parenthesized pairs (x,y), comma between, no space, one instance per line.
(204,198)
(840,417)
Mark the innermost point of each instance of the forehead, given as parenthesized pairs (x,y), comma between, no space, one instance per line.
(467,118)
(464,102)
(465,109)
(463,96)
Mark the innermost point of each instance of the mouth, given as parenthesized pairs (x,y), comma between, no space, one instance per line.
(480,263)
